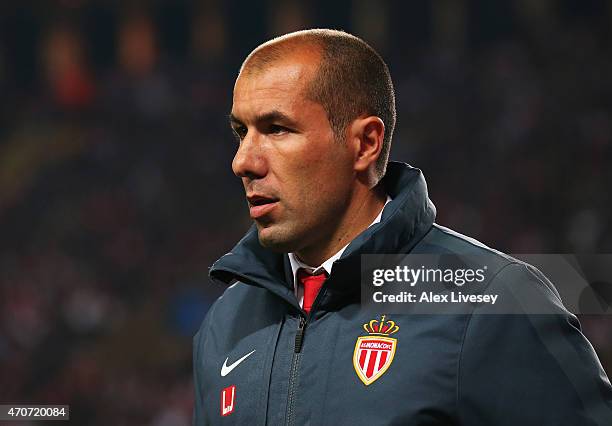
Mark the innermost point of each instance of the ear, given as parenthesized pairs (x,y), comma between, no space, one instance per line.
(366,135)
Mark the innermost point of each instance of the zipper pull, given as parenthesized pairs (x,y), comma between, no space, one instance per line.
(299,336)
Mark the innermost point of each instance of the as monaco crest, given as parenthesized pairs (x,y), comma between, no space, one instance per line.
(374,353)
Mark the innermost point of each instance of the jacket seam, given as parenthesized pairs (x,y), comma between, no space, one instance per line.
(204,329)
(265,398)
(200,342)
(468,240)
(464,335)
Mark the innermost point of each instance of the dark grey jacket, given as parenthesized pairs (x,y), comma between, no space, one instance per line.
(464,369)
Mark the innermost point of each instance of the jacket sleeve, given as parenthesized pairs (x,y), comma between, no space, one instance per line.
(534,368)
(198,345)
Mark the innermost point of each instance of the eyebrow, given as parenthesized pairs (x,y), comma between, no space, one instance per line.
(268,117)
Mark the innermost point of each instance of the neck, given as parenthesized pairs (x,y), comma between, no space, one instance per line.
(363,208)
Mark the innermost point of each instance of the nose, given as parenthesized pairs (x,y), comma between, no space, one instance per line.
(249,161)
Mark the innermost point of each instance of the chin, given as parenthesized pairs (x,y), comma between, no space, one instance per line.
(276,240)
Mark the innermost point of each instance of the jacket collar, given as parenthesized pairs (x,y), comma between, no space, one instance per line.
(405,220)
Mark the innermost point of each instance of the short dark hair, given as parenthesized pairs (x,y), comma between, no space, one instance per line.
(352,80)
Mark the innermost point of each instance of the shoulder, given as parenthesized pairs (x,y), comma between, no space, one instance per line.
(223,308)
(516,281)
(241,310)
(445,240)
(451,244)
(233,303)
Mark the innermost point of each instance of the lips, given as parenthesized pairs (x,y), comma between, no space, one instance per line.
(260,205)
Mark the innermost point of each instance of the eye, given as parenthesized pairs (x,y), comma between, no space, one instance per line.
(275,129)
(239,132)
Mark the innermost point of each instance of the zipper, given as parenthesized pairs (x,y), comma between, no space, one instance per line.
(295,361)
(299,336)
(293,373)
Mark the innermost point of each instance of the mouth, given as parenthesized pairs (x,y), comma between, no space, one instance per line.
(260,205)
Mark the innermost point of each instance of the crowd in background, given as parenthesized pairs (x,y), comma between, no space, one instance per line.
(116,191)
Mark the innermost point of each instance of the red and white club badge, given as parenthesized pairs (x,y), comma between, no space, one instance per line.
(228,397)
(374,353)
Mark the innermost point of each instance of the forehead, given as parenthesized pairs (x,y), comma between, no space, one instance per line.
(279,86)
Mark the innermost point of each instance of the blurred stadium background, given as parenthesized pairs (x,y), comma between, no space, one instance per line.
(116,192)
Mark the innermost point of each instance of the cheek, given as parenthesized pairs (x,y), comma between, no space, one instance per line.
(326,184)
(312,168)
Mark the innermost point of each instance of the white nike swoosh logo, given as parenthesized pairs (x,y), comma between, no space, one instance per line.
(226,369)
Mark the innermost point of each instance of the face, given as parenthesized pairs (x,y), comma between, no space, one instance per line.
(297,178)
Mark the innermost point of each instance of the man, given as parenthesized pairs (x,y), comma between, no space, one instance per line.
(289,343)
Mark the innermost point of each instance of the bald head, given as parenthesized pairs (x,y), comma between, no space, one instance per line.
(282,49)
(349,78)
